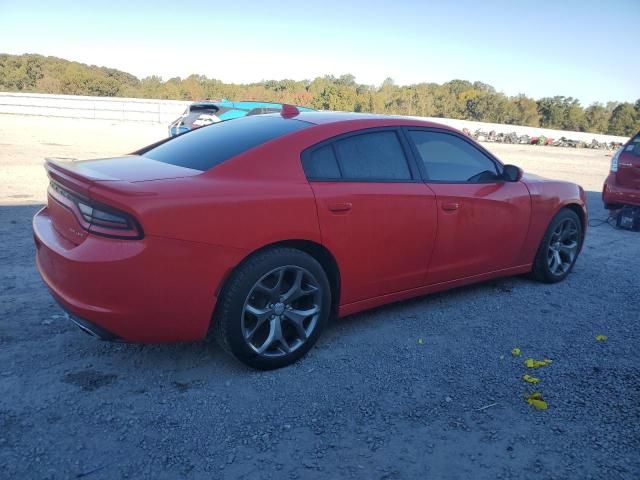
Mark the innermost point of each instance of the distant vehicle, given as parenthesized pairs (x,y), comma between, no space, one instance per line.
(199,114)
(622,186)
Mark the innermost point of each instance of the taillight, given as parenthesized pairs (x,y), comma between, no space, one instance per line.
(96,217)
(614,160)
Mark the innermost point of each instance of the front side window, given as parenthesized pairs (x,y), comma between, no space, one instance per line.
(447,158)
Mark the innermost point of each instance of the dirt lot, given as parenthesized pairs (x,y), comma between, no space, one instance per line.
(398,392)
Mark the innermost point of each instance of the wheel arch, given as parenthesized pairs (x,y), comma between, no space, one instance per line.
(578,210)
(316,250)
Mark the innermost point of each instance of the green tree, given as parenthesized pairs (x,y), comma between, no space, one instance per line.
(525,111)
(624,120)
(551,110)
(574,118)
(490,107)
(597,118)
(561,112)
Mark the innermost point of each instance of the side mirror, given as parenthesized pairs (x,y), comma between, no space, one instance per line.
(511,173)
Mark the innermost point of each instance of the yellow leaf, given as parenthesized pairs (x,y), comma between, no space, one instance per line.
(538,404)
(515,352)
(536,401)
(601,338)
(531,363)
(530,379)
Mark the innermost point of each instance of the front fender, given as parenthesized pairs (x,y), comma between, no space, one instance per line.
(548,197)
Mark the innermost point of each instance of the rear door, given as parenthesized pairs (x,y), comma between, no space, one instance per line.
(482,220)
(628,174)
(376,215)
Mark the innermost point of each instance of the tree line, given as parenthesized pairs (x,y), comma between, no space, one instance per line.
(459,99)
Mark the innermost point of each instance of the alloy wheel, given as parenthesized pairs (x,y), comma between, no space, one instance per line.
(563,247)
(281,311)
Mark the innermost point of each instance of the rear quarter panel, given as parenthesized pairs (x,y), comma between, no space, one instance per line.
(252,200)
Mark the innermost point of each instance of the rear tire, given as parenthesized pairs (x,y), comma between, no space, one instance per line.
(273,308)
(559,248)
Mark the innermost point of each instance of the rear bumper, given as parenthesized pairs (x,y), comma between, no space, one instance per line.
(614,194)
(153,290)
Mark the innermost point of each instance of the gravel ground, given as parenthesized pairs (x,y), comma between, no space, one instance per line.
(393,393)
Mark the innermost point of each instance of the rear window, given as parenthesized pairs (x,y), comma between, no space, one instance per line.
(209,146)
(634,145)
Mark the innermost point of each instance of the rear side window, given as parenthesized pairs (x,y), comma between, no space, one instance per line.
(373,156)
(209,146)
(322,164)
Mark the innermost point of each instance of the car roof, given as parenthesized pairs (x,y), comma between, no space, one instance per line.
(367,119)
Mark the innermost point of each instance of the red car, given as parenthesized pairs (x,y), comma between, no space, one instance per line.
(622,186)
(256,231)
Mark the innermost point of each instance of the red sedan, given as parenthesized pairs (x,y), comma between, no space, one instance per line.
(256,231)
(622,186)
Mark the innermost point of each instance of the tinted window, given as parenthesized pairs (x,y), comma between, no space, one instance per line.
(321,163)
(209,146)
(372,156)
(634,145)
(450,159)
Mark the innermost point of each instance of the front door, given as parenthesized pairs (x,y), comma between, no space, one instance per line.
(482,220)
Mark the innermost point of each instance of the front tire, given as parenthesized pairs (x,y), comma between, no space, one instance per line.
(273,308)
(559,248)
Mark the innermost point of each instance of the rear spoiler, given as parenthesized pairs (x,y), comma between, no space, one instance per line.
(62,171)
(81,180)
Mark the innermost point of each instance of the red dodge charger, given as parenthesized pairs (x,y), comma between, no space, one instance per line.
(256,231)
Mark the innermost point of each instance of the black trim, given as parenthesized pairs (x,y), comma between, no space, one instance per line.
(88,327)
(423,170)
(94,330)
(406,149)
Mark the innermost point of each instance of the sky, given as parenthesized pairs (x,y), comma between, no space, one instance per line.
(580,48)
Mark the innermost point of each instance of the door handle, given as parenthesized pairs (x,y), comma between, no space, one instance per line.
(340,207)
(450,206)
